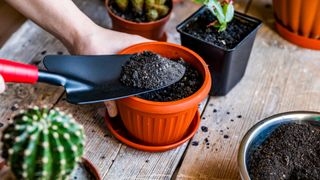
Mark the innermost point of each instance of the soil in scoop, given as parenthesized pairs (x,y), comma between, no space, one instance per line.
(189,84)
(292,151)
(237,30)
(129,14)
(186,86)
(151,71)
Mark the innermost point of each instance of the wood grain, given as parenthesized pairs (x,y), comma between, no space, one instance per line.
(280,77)
(113,159)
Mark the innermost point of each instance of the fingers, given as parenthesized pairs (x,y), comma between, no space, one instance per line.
(2,85)
(111,108)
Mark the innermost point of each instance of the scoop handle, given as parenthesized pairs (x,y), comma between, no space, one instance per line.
(18,72)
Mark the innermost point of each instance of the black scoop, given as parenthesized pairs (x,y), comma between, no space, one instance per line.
(86,79)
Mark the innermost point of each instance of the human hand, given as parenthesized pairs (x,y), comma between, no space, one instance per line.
(99,40)
(73,28)
(2,85)
(104,41)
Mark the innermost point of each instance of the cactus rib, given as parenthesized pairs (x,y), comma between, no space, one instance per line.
(43,144)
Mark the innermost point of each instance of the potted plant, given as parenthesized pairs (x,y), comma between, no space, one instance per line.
(299,22)
(146,18)
(283,146)
(163,118)
(223,38)
(45,144)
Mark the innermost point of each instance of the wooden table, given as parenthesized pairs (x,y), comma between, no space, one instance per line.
(280,77)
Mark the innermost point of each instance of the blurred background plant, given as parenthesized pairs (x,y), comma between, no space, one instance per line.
(154,9)
(223,10)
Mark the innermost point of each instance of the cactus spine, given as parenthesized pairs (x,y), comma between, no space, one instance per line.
(42,144)
(154,9)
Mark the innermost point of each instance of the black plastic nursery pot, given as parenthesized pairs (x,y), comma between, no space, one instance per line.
(227,66)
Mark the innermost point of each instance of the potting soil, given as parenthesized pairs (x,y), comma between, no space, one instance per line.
(188,85)
(236,30)
(292,151)
(151,71)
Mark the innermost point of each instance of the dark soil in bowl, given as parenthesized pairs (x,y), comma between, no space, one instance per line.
(292,151)
(129,14)
(190,82)
(237,30)
(151,71)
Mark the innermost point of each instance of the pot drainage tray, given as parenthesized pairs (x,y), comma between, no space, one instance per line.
(117,128)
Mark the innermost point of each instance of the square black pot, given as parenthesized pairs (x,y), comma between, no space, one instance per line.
(227,66)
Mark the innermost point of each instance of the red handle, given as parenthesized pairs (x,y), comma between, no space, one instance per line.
(18,72)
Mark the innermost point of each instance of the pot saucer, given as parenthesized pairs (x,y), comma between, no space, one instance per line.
(117,128)
(302,41)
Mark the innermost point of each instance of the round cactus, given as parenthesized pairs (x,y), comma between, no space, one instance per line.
(42,144)
(154,9)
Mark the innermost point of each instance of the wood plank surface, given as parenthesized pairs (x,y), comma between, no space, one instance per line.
(113,159)
(280,77)
(133,164)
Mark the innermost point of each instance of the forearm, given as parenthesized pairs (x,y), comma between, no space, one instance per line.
(61,18)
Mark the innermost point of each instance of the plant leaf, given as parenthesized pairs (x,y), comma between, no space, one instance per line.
(201,1)
(222,27)
(229,12)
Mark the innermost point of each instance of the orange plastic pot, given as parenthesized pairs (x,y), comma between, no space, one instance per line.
(298,21)
(151,30)
(163,123)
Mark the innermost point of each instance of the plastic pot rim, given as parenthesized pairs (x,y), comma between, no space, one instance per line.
(237,14)
(171,106)
(92,168)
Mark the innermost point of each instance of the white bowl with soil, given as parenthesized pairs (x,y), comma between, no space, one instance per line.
(227,52)
(284,146)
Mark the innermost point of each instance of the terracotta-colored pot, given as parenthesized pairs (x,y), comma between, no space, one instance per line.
(163,123)
(93,170)
(151,30)
(299,21)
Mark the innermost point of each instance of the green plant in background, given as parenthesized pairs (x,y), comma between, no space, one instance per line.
(154,9)
(42,144)
(223,10)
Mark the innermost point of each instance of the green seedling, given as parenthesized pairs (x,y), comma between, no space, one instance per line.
(154,9)
(42,144)
(223,10)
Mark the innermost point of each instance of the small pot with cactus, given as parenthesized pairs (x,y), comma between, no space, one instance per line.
(224,38)
(45,144)
(146,18)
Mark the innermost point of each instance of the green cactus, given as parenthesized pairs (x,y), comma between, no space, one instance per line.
(154,9)
(42,144)
(122,4)
(137,6)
